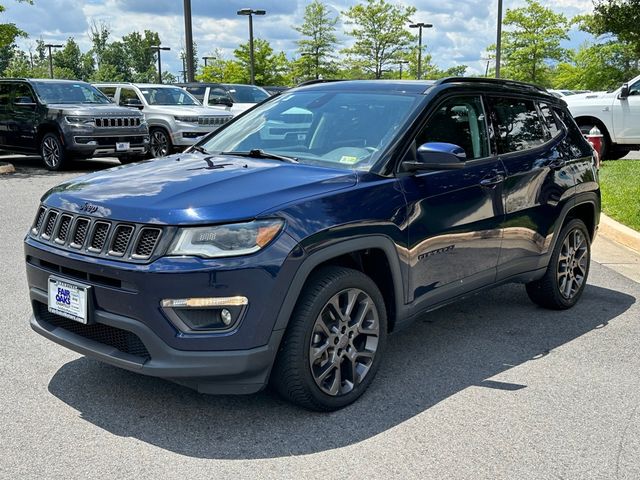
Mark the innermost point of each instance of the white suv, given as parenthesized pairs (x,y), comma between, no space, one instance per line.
(176,119)
(616,114)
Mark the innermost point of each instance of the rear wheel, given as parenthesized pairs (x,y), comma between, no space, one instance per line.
(567,273)
(334,342)
(53,152)
(160,143)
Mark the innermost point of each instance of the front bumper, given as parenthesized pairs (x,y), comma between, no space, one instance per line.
(125,302)
(225,372)
(187,134)
(96,142)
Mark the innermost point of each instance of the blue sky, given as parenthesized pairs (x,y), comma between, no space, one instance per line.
(462,29)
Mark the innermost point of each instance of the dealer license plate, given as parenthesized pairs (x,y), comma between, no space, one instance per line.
(68,300)
(122,146)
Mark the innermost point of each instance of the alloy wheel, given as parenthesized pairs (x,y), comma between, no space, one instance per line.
(344,342)
(51,152)
(159,144)
(572,264)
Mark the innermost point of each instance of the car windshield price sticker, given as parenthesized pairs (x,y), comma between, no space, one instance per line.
(68,300)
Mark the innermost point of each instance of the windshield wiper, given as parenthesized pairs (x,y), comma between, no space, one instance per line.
(200,149)
(259,153)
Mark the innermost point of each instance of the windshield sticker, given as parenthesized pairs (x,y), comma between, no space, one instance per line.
(348,159)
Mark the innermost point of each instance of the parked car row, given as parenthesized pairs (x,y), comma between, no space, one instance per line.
(61,119)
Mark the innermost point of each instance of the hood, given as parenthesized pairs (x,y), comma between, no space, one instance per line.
(196,189)
(588,98)
(107,109)
(195,110)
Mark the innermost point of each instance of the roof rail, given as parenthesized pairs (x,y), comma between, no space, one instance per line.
(319,80)
(499,81)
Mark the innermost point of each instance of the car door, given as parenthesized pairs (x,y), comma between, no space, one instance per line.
(23,112)
(454,216)
(5,113)
(626,116)
(529,139)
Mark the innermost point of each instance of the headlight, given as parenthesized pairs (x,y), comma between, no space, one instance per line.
(80,120)
(186,119)
(225,240)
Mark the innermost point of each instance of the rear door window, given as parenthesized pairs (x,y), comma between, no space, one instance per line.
(128,94)
(518,125)
(550,120)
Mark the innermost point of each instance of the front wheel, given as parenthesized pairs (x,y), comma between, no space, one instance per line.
(53,152)
(567,273)
(160,143)
(334,343)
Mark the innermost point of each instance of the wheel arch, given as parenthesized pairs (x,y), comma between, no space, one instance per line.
(588,120)
(49,128)
(375,256)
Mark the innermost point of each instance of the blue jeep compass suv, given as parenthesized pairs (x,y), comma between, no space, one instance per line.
(286,246)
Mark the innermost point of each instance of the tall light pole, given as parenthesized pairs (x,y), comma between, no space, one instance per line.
(420,26)
(50,46)
(158,49)
(188,33)
(499,39)
(206,59)
(402,62)
(250,13)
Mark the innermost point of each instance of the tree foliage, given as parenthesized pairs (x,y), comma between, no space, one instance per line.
(620,18)
(318,43)
(380,34)
(531,39)
(9,31)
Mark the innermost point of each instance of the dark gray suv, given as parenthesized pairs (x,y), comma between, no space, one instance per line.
(60,119)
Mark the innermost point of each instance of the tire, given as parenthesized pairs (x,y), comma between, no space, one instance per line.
(585,128)
(53,153)
(328,359)
(160,143)
(568,270)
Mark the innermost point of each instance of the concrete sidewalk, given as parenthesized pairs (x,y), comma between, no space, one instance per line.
(617,257)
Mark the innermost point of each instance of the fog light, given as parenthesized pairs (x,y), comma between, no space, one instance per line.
(226,317)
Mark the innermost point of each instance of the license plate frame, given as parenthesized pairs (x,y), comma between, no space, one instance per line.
(123,146)
(69,299)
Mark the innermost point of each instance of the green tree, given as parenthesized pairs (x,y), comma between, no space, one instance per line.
(620,18)
(114,59)
(140,59)
(531,39)
(318,47)
(99,36)
(9,31)
(379,30)
(73,62)
(603,66)
(270,68)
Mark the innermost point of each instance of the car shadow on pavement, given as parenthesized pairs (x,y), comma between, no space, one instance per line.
(33,165)
(459,346)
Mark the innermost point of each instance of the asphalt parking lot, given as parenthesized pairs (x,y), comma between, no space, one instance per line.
(491,387)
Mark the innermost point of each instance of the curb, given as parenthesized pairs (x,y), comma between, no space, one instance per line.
(6,168)
(619,233)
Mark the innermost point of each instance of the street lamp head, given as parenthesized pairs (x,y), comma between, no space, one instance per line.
(249,11)
(259,12)
(158,47)
(421,25)
(51,45)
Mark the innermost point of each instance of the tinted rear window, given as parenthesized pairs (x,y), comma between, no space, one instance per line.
(518,125)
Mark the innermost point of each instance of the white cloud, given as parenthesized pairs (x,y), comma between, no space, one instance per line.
(462,30)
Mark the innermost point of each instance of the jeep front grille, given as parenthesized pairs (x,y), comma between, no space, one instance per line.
(213,121)
(98,237)
(118,122)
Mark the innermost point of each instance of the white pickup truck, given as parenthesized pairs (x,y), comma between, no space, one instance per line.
(616,114)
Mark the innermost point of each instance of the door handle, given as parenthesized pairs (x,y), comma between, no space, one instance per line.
(492,181)
(556,164)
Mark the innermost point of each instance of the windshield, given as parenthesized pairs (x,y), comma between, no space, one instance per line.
(168,96)
(69,92)
(336,129)
(246,93)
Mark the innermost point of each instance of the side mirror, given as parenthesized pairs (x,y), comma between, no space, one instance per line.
(133,103)
(624,92)
(226,101)
(25,102)
(438,156)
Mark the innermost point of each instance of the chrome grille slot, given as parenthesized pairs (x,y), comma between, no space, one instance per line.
(99,236)
(50,224)
(113,122)
(37,224)
(147,241)
(63,228)
(80,232)
(121,238)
